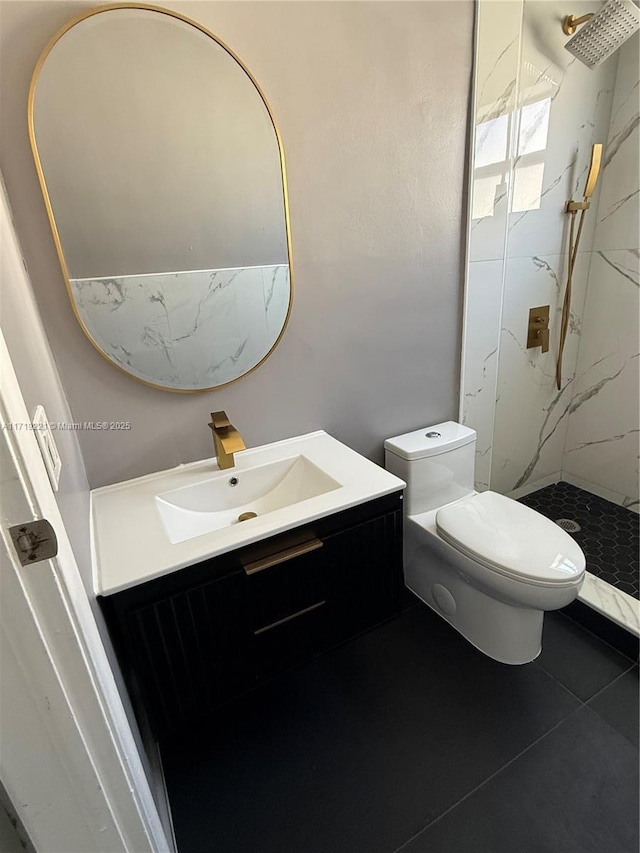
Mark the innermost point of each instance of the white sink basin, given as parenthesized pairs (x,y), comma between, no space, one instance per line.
(227,497)
(161,522)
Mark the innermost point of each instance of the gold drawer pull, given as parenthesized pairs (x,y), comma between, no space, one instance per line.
(289,618)
(282,556)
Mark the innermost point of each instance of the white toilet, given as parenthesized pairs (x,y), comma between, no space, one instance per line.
(488,565)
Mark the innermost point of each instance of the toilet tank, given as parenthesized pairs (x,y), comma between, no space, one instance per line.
(436,462)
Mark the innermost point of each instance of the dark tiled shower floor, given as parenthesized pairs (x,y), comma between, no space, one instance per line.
(608,535)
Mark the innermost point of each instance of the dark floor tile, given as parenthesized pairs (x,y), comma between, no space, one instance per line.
(618,705)
(574,791)
(578,659)
(359,749)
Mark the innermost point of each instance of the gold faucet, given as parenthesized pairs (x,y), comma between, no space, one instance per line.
(226,439)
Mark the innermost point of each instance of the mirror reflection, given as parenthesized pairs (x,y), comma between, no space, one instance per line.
(164,172)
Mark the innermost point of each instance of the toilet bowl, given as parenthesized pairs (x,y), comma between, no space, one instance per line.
(488,565)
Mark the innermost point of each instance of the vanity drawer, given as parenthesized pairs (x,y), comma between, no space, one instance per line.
(282,645)
(286,582)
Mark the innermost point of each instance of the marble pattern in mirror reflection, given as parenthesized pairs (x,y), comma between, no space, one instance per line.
(189,330)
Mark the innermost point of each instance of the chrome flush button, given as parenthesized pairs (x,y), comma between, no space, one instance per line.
(433,435)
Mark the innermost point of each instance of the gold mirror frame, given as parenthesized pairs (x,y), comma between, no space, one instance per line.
(54,229)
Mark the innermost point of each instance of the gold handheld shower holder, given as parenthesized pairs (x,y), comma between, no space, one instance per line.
(573,207)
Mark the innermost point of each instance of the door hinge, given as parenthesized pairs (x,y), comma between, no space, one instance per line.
(34,541)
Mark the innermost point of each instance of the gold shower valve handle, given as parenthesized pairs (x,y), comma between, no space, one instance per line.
(543,336)
(538,328)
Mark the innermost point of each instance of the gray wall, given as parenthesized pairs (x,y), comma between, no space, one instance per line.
(372,102)
(160,156)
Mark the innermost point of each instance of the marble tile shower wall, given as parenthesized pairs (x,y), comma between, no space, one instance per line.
(538,111)
(601,451)
(186,329)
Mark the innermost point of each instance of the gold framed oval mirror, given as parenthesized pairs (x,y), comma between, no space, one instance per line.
(163,175)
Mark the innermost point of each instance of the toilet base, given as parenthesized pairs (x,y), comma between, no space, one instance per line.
(529,650)
(505,632)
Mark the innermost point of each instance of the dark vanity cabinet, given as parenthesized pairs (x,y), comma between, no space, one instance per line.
(192,640)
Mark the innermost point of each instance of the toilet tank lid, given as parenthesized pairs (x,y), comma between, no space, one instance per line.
(430,441)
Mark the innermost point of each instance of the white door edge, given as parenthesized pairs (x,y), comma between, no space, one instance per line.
(119,765)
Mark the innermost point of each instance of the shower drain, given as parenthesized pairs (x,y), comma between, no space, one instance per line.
(568,524)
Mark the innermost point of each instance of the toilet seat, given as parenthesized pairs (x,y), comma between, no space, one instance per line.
(511,539)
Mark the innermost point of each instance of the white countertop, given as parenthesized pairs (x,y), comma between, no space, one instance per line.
(130,545)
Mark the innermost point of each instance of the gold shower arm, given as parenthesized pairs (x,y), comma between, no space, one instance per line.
(570,23)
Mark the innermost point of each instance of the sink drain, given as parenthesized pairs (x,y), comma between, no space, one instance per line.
(568,524)
(245,516)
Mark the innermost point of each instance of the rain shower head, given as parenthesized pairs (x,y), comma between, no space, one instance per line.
(604,33)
